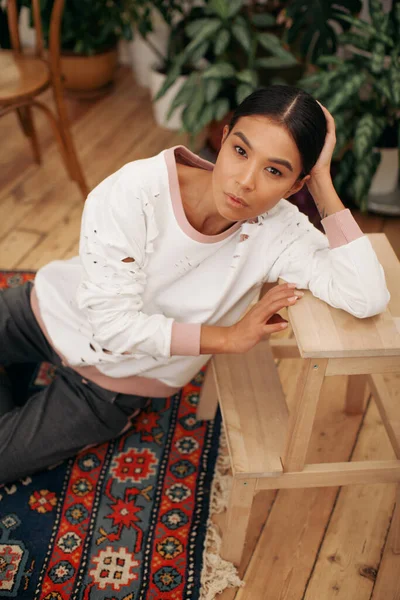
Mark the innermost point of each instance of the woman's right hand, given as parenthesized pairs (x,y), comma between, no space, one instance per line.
(255,325)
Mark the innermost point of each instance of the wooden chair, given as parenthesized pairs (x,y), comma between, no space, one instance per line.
(267,445)
(23,77)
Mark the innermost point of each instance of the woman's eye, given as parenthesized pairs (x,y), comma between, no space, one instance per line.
(274,171)
(239,150)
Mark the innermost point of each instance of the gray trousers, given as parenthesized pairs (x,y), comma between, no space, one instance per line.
(58,421)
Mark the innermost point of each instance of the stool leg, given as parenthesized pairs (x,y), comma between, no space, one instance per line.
(355,394)
(301,418)
(208,402)
(396,523)
(237,519)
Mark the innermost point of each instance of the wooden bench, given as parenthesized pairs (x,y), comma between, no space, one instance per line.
(267,445)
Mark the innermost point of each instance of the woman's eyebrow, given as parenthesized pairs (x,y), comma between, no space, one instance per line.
(279,161)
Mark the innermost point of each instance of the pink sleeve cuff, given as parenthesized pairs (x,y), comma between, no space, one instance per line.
(341,228)
(185,340)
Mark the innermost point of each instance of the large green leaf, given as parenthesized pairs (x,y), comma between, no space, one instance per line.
(206,116)
(242,34)
(221,108)
(213,86)
(346,167)
(233,7)
(223,70)
(199,52)
(394,78)
(194,28)
(383,87)
(221,41)
(364,172)
(275,62)
(193,109)
(184,95)
(329,60)
(248,76)
(344,133)
(368,130)
(358,40)
(378,57)
(220,7)
(367,28)
(350,88)
(207,32)
(172,76)
(242,91)
(273,44)
(376,13)
(263,20)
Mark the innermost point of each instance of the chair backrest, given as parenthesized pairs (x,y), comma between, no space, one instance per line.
(55,23)
(53,56)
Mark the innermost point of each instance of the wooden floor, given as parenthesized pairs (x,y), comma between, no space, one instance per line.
(312,544)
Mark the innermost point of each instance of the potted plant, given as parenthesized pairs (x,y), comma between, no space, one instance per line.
(89,35)
(228,48)
(362,92)
(311,27)
(152,21)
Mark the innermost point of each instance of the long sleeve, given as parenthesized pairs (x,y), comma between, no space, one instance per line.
(341,267)
(116,233)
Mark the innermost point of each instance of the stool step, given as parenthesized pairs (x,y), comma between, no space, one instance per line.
(254,410)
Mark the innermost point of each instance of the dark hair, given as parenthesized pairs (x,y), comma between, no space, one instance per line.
(296,110)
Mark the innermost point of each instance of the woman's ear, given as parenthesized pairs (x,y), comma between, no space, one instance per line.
(225,134)
(297,186)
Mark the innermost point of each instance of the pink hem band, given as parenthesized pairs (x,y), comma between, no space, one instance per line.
(341,228)
(139,386)
(185,340)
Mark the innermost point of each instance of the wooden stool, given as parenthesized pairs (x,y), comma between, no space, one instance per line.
(267,445)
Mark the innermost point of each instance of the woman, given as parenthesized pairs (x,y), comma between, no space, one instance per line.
(172,253)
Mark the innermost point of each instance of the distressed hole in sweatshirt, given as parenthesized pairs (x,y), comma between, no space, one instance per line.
(128,259)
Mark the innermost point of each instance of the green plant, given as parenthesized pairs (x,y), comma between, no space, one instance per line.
(89,26)
(310,25)
(363,94)
(228,50)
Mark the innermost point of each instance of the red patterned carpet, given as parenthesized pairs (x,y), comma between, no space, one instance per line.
(124,520)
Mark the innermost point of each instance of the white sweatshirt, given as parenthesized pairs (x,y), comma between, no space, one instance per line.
(127,312)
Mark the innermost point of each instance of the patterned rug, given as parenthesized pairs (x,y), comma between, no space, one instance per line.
(125,520)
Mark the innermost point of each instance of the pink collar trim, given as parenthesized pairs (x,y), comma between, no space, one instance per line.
(172,155)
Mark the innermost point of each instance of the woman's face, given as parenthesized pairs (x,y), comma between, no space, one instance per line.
(258,164)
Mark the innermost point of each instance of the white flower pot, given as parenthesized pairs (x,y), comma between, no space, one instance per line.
(161,107)
(386,178)
(142,55)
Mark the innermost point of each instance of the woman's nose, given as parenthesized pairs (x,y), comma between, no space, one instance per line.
(246,179)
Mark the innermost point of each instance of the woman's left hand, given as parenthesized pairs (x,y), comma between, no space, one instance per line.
(323,165)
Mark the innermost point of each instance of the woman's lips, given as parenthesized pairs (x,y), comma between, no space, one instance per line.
(236,201)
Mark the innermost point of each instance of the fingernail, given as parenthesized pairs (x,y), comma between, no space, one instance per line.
(292,298)
(292,285)
(283,325)
(298,293)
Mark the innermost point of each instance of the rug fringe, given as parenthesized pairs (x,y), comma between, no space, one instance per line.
(218,574)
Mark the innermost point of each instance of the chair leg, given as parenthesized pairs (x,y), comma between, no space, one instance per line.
(25,117)
(237,519)
(65,133)
(396,523)
(355,394)
(302,415)
(208,402)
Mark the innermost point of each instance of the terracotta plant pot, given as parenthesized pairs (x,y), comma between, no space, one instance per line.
(88,75)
